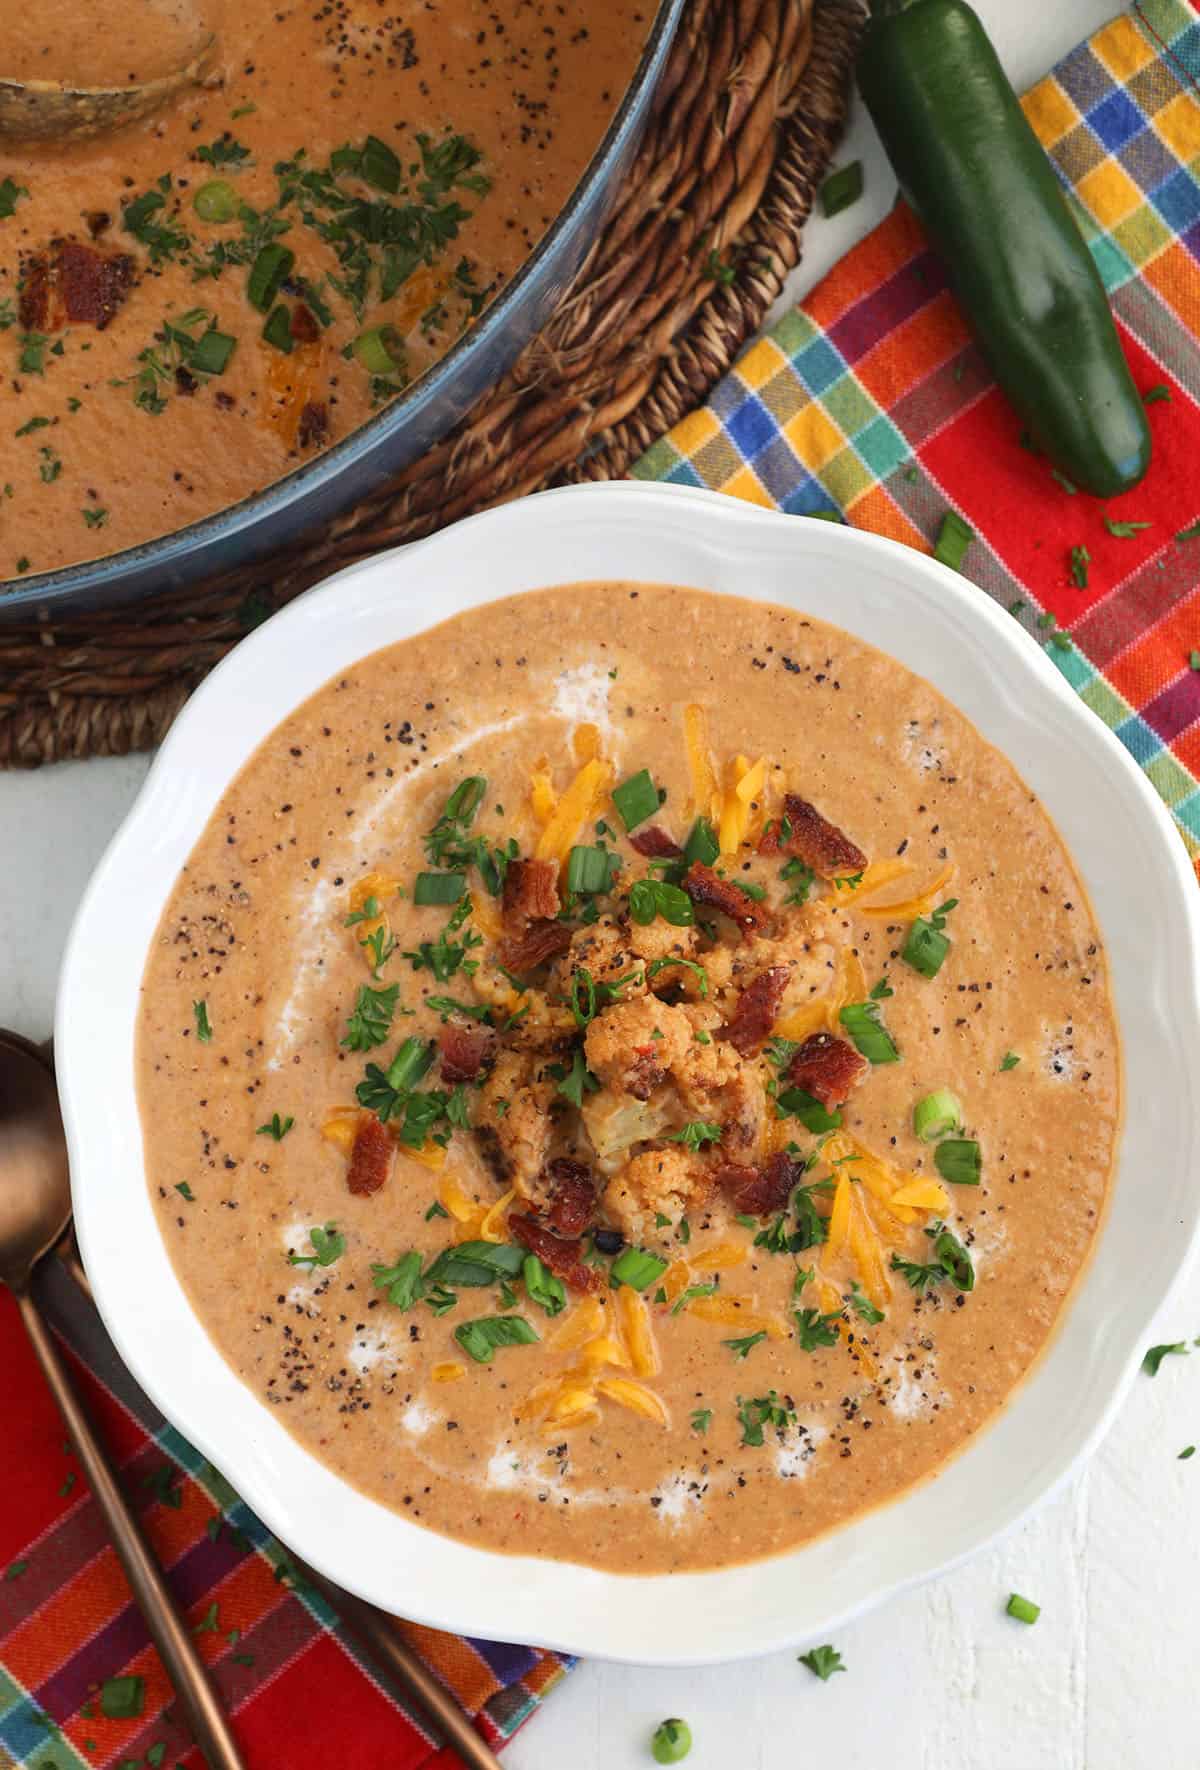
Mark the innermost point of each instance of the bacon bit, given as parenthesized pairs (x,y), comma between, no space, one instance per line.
(654,844)
(756,1009)
(563,1258)
(530,892)
(371,1158)
(572,1201)
(73,284)
(313,429)
(185,381)
(93,284)
(33,306)
(704,887)
(817,842)
(539,942)
(303,325)
(464,1051)
(757,1192)
(645,1073)
(827,1068)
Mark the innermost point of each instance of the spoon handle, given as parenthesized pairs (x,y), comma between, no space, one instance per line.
(168,1630)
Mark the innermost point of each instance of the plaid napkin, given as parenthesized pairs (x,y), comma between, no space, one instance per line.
(869,398)
(300,1691)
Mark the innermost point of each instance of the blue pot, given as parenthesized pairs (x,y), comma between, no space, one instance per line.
(366,459)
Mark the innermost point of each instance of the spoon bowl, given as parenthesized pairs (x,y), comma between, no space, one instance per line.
(50,110)
(35,1186)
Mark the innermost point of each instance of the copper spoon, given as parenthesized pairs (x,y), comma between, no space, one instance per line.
(374,1629)
(35,1207)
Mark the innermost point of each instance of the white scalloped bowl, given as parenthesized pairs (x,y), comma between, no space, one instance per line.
(1146,899)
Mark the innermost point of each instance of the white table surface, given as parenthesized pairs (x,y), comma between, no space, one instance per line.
(939,1679)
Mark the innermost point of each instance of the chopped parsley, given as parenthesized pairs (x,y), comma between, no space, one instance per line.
(446,956)
(95,517)
(742,1348)
(823,1662)
(863,1306)
(276,1127)
(573,1082)
(700,1420)
(371,1020)
(759,1412)
(696,1133)
(225,151)
(185,1192)
(203,1027)
(1010,1060)
(328,1245)
(651,898)
(814,1329)
(10,195)
(1080,561)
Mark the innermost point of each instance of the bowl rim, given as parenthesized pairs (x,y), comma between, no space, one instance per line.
(1134,866)
(90,579)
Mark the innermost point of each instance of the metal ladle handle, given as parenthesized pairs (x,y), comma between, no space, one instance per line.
(168,1630)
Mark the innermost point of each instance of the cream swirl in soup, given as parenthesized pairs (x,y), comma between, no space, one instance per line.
(629,1075)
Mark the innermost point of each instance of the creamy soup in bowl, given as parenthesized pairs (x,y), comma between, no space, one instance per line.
(628,1078)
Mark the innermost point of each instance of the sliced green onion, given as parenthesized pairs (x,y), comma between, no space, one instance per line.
(957,1160)
(1024,1609)
(702,844)
(479,1339)
(636,799)
(657,965)
(380,351)
(925,948)
(842,189)
(636,1268)
(211,353)
(438,888)
(266,273)
(542,1287)
(795,1103)
(278,329)
(871,1039)
(936,1114)
(954,537)
(216,201)
(1125,530)
(589,870)
(582,999)
(410,1063)
(379,165)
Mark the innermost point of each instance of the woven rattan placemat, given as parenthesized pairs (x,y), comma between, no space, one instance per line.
(705,229)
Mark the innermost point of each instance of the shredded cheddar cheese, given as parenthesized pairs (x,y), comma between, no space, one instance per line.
(635,1397)
(733,1312)
(920,1194)
(494,1224)
(721,1257)
(583,1323)
(874,877)
(340,1127)
(578,804)
(848,984)
(839,1221)
(585,742)
(868,1255)
(743,783)
(911,907)
(449,1372)
(487,917)
(430,1155)
(453,1197)
(639,1336)
(706,790)
(542,796)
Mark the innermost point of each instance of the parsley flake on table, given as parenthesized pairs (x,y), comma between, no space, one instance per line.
(823,1662)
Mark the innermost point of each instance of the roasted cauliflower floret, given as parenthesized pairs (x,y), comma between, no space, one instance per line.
(605,951)
(513,1122)
(659,1182)
(634,1045)
(661,940)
